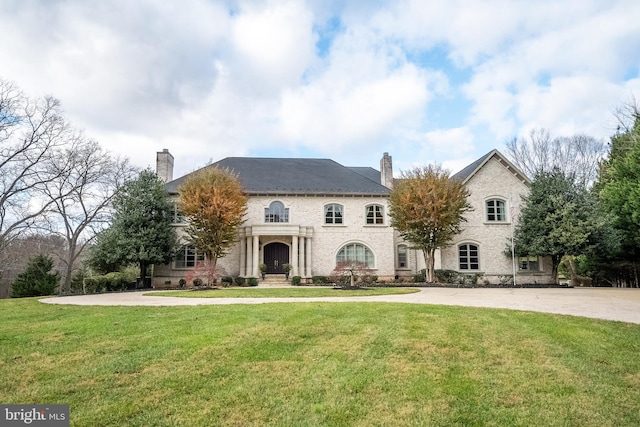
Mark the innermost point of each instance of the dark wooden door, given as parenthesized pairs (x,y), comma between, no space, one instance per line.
(275,255)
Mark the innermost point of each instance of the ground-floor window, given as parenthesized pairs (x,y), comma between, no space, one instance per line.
(468,257)
(529,263)
(355,252)
(187,257)
(402,256)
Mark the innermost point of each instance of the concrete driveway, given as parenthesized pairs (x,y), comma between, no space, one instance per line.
(599,303)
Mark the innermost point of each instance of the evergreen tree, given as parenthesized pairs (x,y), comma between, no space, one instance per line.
(558,218)
(37,279)
(141,231)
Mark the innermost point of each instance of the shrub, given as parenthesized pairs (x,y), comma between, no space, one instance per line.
(77,280)
(320,280)
(447,276)
(226,281)
(368,279)
(182,283)
(37,279)
(470,279)
(420,276)
(344,271)
(252,281)
(241,281)
(296,280)
(93,285)
(115,282)
(506,279)
(197,282)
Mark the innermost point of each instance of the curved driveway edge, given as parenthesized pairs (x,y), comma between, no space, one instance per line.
(599,303)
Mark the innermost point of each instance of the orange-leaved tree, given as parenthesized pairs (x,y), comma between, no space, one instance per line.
(214,203)
(427,207)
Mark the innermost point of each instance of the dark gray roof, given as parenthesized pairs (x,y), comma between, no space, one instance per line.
(470,169)
(298,176)
(367,172)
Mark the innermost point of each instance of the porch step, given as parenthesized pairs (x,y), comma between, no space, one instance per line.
(274,280)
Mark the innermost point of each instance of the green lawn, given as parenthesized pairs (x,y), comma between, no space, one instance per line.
(283,292)
(319,364)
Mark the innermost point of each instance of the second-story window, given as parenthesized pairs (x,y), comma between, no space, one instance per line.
(375,214)
(496,210)
(276,212)
(333,214)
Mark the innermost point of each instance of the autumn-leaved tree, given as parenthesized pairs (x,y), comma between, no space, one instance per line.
(214,203)
(427,207)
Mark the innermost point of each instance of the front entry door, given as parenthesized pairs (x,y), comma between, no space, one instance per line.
(275,255)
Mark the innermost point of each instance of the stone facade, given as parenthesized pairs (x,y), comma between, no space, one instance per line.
(312,246)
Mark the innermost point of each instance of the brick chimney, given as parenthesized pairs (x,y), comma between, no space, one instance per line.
(386,171)
(164,165)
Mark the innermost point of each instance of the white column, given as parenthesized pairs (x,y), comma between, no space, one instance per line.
(243,256)
(249,266)
(301,258)
(256,254)
(294,255)
(308,257)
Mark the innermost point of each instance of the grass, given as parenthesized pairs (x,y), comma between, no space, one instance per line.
(319,364)
(283,292)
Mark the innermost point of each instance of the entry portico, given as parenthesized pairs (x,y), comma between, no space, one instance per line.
(256,238)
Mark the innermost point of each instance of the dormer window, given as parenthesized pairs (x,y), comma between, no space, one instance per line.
(276,212)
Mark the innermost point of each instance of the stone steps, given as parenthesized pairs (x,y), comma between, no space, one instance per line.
(274,280)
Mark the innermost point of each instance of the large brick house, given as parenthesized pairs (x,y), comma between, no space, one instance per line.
(314,213)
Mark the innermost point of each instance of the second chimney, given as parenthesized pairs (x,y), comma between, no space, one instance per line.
(164,165)
(386,171)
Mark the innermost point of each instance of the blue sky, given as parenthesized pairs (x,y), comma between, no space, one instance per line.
(426,81)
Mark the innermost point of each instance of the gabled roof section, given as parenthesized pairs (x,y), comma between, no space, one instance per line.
(271,176)
(468,172)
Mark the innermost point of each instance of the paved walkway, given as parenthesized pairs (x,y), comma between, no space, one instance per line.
(599,303)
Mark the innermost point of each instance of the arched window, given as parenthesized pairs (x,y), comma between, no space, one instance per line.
(402,256)
(375,214)
(333,214)
(468,257)
(496,210)
(355,252)
(187,257)
(276,212)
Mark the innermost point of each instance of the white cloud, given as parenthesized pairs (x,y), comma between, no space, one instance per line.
(212,78)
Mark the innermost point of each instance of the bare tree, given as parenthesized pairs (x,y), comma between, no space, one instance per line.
(30,132)
(578,156)
(88,179)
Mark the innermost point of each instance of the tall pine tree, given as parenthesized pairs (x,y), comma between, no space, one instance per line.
(141,231)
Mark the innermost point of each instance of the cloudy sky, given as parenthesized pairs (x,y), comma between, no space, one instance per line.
(427,81)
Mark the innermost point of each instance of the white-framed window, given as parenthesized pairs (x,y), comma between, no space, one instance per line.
(276,212)
(496,210)
(375,214)
(333,213)
(177,217)
(468,257)
(187,257)
(402,258)
(356,252)
(529,263)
